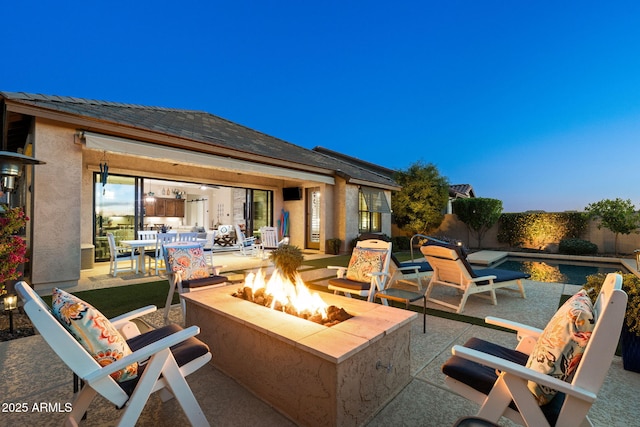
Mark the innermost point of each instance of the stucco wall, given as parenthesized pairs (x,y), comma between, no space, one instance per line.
(57,206)
(351,211)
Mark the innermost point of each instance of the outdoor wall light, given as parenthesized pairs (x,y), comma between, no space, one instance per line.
(11,167)
(10,303)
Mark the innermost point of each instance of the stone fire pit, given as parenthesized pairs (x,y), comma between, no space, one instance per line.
(315,375)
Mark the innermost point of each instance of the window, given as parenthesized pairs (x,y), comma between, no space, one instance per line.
(372,204)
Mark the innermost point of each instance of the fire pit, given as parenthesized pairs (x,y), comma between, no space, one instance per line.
(314,374)
(280,293)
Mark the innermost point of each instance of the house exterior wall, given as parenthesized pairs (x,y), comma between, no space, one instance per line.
(351,198)
(63,200)
(57,207)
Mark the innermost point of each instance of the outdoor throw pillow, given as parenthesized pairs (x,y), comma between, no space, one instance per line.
(187,261)
(364,262)
(93,331)
(562,343)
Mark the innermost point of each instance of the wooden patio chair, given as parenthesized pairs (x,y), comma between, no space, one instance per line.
(246,245)
(113,359)
(553,376)
(268,240)
(367,272)
(188,271)
(451,269)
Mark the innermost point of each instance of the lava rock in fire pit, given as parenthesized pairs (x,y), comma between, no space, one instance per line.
(336,315)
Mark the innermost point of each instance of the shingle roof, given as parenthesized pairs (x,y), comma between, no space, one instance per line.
(461,190)
(202,127)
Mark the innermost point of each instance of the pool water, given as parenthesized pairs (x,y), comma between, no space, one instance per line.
(557,271)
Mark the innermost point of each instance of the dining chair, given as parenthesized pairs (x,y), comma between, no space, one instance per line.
(157,255)
(187,237)
(207,248)
(147,234)
(119,253)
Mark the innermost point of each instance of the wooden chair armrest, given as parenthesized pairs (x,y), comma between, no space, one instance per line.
(123,318)
(522,372)
(143,353)
(483,278)
(341,270)
(521,329)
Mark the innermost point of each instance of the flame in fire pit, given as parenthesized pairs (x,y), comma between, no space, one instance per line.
(287,294)
(280,293)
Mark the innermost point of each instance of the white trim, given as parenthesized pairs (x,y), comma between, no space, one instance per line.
(130,147)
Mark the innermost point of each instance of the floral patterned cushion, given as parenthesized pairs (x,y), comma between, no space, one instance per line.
(93,331)
(560,346)
(363,262)
(187,261)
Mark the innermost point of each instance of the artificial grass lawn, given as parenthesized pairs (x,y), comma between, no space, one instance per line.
(118,300)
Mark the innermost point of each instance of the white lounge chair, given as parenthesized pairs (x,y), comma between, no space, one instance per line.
(451,269)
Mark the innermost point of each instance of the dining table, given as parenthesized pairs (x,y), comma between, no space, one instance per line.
(141,244)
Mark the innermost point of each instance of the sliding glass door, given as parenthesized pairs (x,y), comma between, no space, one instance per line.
(114,211)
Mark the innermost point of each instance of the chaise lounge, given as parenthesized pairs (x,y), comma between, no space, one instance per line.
(451,269)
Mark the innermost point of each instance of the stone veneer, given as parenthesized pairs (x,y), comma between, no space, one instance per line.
(316,375)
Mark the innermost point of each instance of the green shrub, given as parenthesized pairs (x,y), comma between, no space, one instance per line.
(401,243)
(539,229)
(577,247)
(333,246)
(631,285)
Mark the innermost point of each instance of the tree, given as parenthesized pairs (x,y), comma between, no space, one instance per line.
(478,213)
(418,208)
(618,216)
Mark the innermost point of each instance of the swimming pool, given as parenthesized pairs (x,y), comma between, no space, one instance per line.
(557,271)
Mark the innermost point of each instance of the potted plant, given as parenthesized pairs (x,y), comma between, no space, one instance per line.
(333,246)
(630,335)
(13,248)
(287,259)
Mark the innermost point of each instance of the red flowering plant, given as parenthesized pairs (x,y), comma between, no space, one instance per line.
(13,248)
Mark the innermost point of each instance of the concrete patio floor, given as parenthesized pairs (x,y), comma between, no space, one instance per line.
(32,374)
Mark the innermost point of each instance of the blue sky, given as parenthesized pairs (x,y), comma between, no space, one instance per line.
(533,103)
